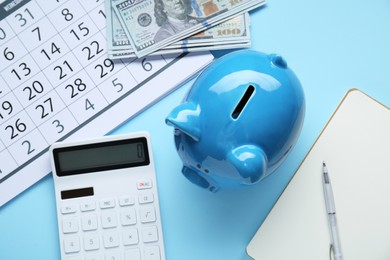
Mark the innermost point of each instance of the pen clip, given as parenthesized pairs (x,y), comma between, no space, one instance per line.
(331,253)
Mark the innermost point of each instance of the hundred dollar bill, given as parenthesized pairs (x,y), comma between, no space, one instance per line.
(234,31)
(231,34)
(153,24)
(116,36)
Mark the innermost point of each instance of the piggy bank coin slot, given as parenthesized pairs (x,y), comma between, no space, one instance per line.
(244,100)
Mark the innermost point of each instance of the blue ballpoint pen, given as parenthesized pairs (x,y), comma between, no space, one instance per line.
(331,211)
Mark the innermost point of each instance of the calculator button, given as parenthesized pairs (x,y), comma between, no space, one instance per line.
(130,237)
(144,184)
(128,217)
(145,198)
(87,206)
(149,234)
(132,254)
(111,239)
(148,214)
(71,244)
(74,258)
(107,203)
(93,257)
(91,242)
(68,209)
(89,222)
(109,219)
(113,256)
(70,225)
(126,201)
(152,253)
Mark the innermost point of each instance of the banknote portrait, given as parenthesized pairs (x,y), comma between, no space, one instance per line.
(173,16)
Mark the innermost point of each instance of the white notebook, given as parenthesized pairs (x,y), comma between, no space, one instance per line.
(355,144)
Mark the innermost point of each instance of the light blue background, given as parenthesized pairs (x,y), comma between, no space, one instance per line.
(331,45)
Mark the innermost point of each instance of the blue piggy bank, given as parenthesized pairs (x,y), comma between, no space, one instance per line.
(239,120)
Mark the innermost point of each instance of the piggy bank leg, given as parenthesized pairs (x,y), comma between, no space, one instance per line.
(250,161)
(197,179)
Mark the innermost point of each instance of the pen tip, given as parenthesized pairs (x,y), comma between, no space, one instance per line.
(323,164)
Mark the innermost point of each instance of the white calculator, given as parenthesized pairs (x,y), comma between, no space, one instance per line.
(107,199)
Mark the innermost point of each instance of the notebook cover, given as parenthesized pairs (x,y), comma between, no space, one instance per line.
(355,144)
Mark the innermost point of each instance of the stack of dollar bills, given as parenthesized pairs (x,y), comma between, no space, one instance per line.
(136,28)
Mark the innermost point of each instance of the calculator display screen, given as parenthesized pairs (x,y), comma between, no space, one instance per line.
(101,156)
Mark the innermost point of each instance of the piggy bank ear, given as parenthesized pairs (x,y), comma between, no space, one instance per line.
(250,161)
(185,117)
(278,61)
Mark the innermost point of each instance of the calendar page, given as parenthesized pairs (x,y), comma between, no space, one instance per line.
(57,83)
